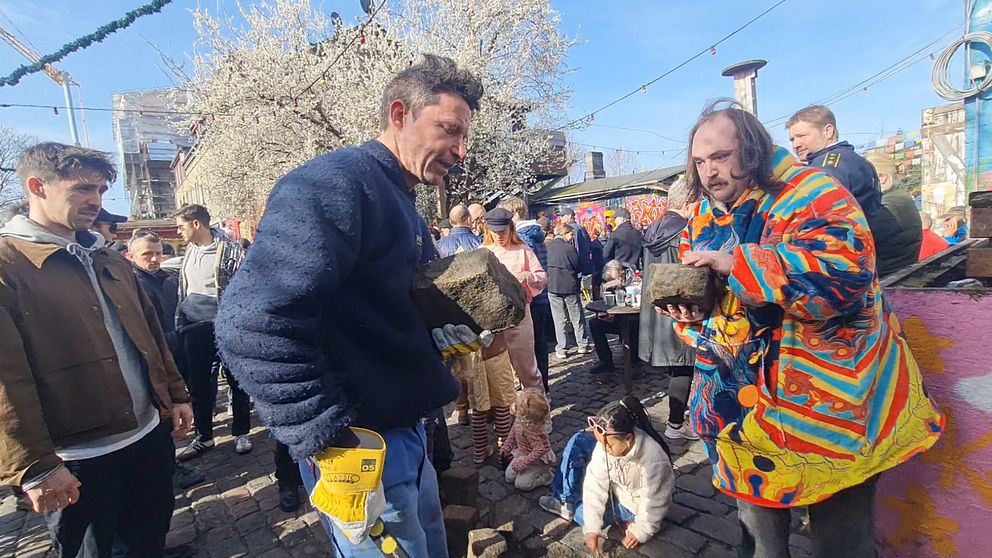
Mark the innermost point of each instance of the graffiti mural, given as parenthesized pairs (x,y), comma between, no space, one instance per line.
(589,214)
(937,505)
(646,209)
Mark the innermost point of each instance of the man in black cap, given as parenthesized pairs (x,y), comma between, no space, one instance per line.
(625,242)
(106,225)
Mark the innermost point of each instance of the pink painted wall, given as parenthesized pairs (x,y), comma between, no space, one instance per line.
(940,504)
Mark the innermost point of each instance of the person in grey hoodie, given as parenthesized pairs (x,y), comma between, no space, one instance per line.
(659,345)
(89,392)
(207,268)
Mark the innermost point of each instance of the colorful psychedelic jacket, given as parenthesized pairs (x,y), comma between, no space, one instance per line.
(804,385)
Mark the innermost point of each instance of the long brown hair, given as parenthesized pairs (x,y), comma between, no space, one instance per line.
(754,152)
(489,237)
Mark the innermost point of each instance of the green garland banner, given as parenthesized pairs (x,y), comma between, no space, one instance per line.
(95,37)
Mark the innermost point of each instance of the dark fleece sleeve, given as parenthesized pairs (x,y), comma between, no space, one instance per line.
(269,322)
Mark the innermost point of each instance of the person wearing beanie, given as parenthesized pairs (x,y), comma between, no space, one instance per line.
(897,228)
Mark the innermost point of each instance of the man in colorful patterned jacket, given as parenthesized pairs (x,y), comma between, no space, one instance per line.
(805,390)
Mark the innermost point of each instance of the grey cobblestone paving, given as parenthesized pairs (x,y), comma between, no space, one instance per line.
(235,512)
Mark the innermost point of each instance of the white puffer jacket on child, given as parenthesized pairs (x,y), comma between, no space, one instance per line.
(642,481)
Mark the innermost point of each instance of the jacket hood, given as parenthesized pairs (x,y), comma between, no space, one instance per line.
(530,229)
(25,229)
(661,232)
(172,265)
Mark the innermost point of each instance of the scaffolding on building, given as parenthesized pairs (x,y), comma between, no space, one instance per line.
(146,130)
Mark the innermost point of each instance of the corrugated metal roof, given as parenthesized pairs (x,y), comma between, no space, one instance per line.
(610,186)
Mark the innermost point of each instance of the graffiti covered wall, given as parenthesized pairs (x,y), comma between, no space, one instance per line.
(646,209)
(589,214)
(938,504)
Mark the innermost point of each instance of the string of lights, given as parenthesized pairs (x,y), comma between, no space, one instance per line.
(359,37)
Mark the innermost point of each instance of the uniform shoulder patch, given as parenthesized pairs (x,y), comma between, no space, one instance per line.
(832,159)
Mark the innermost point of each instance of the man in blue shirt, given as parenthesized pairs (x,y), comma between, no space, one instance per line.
(461,238)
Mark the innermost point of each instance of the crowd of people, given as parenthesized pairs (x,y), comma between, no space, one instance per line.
(796,380)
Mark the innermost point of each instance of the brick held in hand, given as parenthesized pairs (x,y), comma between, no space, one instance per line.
(471,288)
(676,284)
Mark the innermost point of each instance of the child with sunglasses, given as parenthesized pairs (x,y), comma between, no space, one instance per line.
(625,473)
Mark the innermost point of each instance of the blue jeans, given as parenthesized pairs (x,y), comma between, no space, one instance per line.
(413,507)
(567,485)
(615,514)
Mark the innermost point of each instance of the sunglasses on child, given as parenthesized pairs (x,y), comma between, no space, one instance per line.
(597,426)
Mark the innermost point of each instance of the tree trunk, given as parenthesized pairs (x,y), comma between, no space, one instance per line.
(442,200)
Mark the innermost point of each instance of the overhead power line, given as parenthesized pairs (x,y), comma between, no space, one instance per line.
(104,109)
(889,71)
(358,36)
(646,131)
(709,49)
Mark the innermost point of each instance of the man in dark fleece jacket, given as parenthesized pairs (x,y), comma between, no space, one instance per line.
(319,324)
(625,242)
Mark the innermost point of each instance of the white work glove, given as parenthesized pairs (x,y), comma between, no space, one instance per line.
(455,340)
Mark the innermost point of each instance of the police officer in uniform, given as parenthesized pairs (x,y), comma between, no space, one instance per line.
(813,133)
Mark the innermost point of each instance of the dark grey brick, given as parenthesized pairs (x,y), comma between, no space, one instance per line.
(706,505)
(717,528)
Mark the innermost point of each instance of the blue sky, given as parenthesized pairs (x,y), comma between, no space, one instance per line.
(815,49)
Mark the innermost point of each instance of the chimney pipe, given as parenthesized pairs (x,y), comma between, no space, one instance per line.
(594,165)
(745,76)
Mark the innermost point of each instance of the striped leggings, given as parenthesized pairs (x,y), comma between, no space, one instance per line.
(480,431)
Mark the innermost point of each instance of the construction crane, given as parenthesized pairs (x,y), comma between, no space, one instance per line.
(61,78)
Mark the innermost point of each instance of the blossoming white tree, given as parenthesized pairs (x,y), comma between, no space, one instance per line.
(12,144)
(291,82)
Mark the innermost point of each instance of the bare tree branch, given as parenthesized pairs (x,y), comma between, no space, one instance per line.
(12,143)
